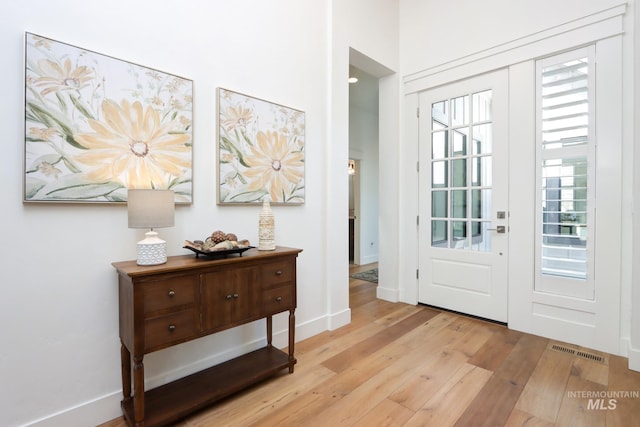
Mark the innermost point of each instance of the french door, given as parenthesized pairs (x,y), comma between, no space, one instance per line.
(463,196)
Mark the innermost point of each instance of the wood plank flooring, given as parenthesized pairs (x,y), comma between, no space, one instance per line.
(403,365)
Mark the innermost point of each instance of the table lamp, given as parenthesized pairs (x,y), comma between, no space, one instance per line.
(151,209)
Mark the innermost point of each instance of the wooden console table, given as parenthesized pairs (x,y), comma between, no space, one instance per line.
(188,298)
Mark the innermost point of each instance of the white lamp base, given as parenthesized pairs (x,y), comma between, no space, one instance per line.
(152,250)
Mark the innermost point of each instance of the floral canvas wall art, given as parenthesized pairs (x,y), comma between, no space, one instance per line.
(260,151)
(96,126)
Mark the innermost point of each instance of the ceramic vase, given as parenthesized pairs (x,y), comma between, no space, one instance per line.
(266,228)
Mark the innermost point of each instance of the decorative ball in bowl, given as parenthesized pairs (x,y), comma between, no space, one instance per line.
(218,243)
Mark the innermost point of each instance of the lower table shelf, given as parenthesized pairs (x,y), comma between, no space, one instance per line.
(173,401)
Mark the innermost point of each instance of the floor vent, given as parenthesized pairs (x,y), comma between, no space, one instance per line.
(578,353)
(562,349)
(591,356)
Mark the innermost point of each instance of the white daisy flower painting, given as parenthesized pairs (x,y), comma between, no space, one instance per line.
(96,126)
(260,151)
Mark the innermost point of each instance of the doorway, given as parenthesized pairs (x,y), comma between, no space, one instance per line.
(363,167)
(463,192)
(354,205)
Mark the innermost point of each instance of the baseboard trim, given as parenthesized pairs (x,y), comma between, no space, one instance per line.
(338,320)
(634,358)
(368,259)
(92,413)
(308,329)
(107,408)
(387,294)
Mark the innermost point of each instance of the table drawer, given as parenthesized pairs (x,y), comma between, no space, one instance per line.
(277,299)
(171,329)
(169,293)
(274,273)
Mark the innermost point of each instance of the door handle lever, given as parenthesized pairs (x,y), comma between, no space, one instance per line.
(498,229)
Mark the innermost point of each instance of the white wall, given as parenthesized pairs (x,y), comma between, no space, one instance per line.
(60,348)
(60,358)
(370,28)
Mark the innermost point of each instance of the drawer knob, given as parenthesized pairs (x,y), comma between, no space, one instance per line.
(235,296)
(172,328)
(278,299)
(172,293)
(279,273)
(229,296)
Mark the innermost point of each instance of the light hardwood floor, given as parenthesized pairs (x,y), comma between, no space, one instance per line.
(404,365)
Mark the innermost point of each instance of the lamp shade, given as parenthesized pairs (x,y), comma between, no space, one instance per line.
(151,208)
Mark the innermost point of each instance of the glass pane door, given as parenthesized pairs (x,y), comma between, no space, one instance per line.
(461,167)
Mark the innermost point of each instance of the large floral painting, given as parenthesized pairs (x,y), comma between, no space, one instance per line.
(96,126)
(260,150)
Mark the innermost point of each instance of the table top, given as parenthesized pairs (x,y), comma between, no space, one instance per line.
(182,262)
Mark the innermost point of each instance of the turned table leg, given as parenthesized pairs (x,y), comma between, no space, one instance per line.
(292,329)
(138,390)
(269,331)
(125,363)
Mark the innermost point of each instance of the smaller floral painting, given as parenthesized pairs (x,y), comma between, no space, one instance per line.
(96,126)
(260,151)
